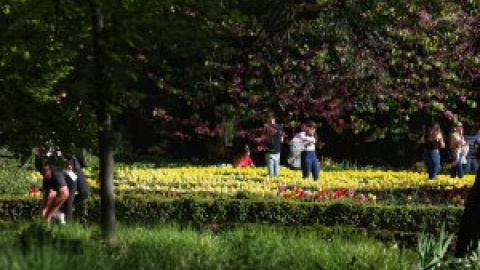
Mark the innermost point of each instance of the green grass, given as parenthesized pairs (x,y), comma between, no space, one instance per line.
(41,246)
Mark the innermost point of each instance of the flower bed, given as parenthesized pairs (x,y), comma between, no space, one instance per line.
(358,185)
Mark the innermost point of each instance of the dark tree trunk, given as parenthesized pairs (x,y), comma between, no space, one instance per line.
(469,231)
(105,133)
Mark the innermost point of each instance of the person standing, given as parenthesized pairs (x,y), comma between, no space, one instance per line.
(472,155)
(274,138)
(459,151)
(432,141)
(309,161)
(296,148)
(55,193)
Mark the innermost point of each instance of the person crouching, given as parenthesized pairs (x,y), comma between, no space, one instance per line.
(55,193)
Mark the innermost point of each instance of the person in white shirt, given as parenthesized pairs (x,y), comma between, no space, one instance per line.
(459,149)
(309,159)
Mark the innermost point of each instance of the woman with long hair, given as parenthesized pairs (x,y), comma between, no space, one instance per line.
(432,141)
(459,150)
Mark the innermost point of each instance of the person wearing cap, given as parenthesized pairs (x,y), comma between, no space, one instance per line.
(459,150)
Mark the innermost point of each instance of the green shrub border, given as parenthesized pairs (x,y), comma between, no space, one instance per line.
(134,209)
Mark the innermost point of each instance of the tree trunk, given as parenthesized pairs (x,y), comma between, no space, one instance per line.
(469,229)
(105,132)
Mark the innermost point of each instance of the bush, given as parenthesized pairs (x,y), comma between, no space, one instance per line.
(407,218)
(14,180)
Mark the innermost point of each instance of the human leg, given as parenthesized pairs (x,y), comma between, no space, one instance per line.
(67,206)
(305,165)
(270,164)
(428,158)
(460,170)
(435,163)
(315,167)
(276,164)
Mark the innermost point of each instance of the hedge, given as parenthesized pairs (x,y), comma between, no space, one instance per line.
(406,218)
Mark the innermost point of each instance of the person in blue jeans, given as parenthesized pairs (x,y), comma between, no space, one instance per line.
(309,159)
(432,141)
(472,155)
(274,138)
(459,149)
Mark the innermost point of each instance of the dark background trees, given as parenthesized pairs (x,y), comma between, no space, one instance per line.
(189,78)
(199,74)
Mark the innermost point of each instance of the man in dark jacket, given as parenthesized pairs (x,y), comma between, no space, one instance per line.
(274,137)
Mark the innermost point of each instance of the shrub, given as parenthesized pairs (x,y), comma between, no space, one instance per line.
(407,218)
(14,179)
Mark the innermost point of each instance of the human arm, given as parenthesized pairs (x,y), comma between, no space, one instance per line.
(58,193)
(48,197)
(454,142)
(307,140)
(56,202)
(441,141)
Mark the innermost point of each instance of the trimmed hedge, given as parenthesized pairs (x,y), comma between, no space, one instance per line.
(406,218)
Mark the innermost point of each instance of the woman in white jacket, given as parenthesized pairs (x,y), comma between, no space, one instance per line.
(309,159)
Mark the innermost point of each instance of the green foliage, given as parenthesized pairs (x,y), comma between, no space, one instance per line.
(45,246)
(404,218)
(174,247)
(14,179)
(196,69)
(33,61)
(433,251)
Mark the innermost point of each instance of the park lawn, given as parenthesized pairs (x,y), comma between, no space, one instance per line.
(41,246)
